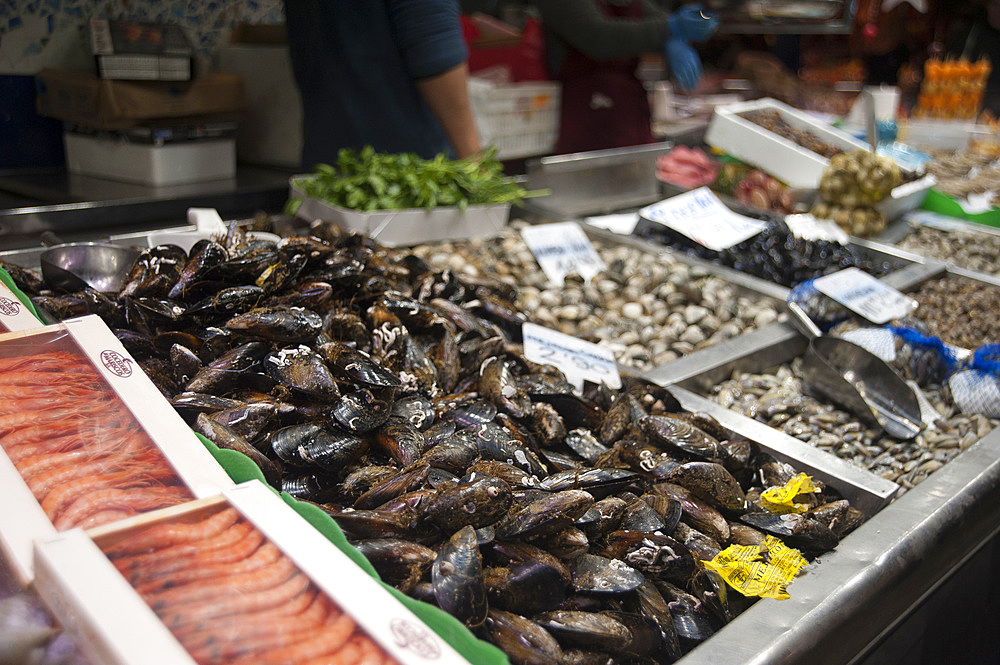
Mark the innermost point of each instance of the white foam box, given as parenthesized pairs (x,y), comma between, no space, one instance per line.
(147,164)
(14,316)
(404,228)
(114,626)
(22,519)
(787,161)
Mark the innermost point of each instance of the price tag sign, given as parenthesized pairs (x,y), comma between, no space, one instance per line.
(860,292)
(701,216)
(807,227)
(577,359)
(622,224)
(562,248)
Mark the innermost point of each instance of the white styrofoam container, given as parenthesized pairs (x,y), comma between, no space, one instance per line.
(403,228)
(14,315)
(22,519)
(84,589)
(789,162)
(147,164)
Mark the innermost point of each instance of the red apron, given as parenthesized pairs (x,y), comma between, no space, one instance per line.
(603,104)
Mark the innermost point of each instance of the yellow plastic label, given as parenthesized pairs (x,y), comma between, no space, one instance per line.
(781,500)
(758,571)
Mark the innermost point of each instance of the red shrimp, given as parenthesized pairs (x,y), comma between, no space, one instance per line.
(137,499)
(256,635)
(111,442)
(64,378)
(206,632)
(13,421)
(105,517)
(71,390)
(269,598)
(328,639)
(228,588)
(36,359)
(64,494)
(265,555)
(370,653)
(166,535)
(233,544)
(350,654)
(46,481)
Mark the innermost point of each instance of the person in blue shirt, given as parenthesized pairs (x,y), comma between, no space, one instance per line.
(387,73)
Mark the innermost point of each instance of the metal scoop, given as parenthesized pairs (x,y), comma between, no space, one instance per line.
(75,266)
(858,380)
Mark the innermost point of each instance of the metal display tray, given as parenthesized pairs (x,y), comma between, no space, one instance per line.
(897,232)
(841,609)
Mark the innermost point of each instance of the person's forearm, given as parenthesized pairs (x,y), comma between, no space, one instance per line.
(448,96)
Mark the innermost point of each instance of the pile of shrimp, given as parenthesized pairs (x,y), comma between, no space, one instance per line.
(83,455)
(230,596)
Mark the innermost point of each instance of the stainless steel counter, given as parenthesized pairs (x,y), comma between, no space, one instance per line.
(81,207)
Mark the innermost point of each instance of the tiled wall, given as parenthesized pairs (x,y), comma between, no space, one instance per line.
(52,33)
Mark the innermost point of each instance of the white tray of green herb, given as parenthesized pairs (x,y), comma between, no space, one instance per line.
(405,200)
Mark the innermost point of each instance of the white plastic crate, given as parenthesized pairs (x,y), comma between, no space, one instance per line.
(520,119)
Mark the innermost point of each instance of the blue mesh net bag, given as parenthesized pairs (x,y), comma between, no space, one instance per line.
(821,308)
(976,388)
(908,349)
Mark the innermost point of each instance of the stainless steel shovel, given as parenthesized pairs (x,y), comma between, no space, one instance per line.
(858,380)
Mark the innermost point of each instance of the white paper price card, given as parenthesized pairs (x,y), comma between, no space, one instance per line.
(807,227)
(701,216)
(860,292)
(562,248)
(577,359)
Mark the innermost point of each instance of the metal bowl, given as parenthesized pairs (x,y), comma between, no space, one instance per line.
(75,266)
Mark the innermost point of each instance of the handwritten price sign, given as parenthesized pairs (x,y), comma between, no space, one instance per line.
(701,216)
(562,248)
(579,360)
(860,292)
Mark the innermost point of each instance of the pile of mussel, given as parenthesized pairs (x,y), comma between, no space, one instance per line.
(564,527)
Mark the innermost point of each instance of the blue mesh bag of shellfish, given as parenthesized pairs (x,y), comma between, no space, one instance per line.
(821,308)
(976,387)
(907,347)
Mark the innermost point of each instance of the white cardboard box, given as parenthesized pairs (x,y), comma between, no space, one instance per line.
(148,164)
(86,592)
(403,228)
(14,315)
(22,519)
(785,160)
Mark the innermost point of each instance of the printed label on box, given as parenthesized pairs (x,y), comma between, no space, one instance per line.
(701,216)
(578,360)
(562,248)
(14,316)
(860,292)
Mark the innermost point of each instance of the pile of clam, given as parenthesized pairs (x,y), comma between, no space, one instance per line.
(646,309)
(960,311)
(972,250)
(779,400)
(563,527)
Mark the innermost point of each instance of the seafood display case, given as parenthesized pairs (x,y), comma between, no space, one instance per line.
(841,583)
(883,576)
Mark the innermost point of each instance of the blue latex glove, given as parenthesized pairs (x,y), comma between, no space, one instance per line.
(684,63)
(691,23)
